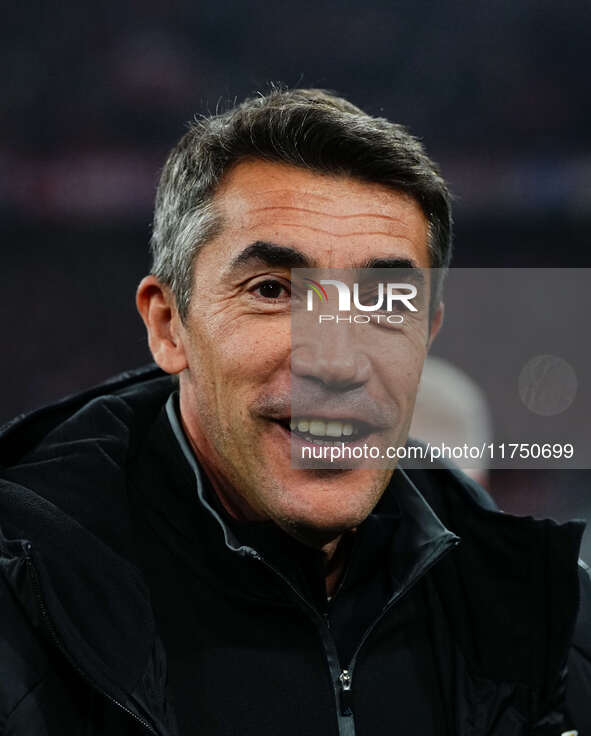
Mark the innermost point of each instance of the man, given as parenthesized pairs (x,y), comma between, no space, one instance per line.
(167,570)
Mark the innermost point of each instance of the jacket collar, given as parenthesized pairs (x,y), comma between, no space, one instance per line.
(417,536)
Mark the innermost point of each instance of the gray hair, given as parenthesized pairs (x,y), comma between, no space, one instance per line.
(308,128)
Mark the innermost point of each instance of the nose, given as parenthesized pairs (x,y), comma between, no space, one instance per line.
(334,360)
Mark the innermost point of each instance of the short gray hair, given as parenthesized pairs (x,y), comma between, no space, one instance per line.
(308,128)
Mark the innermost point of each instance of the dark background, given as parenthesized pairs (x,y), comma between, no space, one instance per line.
(95,94)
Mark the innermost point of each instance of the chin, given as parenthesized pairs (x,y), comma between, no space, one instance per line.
(315,532)
(323,506)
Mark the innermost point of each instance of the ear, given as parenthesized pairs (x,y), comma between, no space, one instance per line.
(157,308)
(436,323)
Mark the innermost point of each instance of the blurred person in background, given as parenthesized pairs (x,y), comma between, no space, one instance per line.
(451,408)
(166,570)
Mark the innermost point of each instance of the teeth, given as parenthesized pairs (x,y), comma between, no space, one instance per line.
(334,429)
(322,428)
(317,428)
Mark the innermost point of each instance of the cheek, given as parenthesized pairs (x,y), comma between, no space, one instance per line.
(239,354)
(401,375)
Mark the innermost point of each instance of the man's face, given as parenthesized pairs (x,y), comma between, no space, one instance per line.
(235,394)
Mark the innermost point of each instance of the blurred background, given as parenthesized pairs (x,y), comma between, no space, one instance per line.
(96,93)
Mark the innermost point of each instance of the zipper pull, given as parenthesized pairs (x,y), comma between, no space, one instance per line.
(346,693)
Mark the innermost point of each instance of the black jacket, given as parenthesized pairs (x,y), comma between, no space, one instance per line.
(509,607)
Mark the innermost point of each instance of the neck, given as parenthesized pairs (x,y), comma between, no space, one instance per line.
(335,552)
(336,555)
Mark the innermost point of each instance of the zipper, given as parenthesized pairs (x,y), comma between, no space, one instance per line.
(51,630)
(342,678)
(346,676)
(345,723)
(346,692)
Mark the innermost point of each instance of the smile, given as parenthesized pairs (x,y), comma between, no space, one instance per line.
(322,431)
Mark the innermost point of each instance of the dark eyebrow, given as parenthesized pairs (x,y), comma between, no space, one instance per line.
(271,254)
(412,271)
(389,263)
(283,256)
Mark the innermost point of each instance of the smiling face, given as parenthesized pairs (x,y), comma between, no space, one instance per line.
(236,370)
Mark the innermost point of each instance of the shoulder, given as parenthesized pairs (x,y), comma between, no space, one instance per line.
(128,400)
(513,590)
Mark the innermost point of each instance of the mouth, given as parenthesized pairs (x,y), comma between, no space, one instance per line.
(323,431)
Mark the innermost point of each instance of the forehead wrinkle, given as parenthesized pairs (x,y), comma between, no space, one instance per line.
(327,214)
(298,226)
(328,224)
(296,194)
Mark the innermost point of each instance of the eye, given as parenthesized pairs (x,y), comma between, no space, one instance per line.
(271,289)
